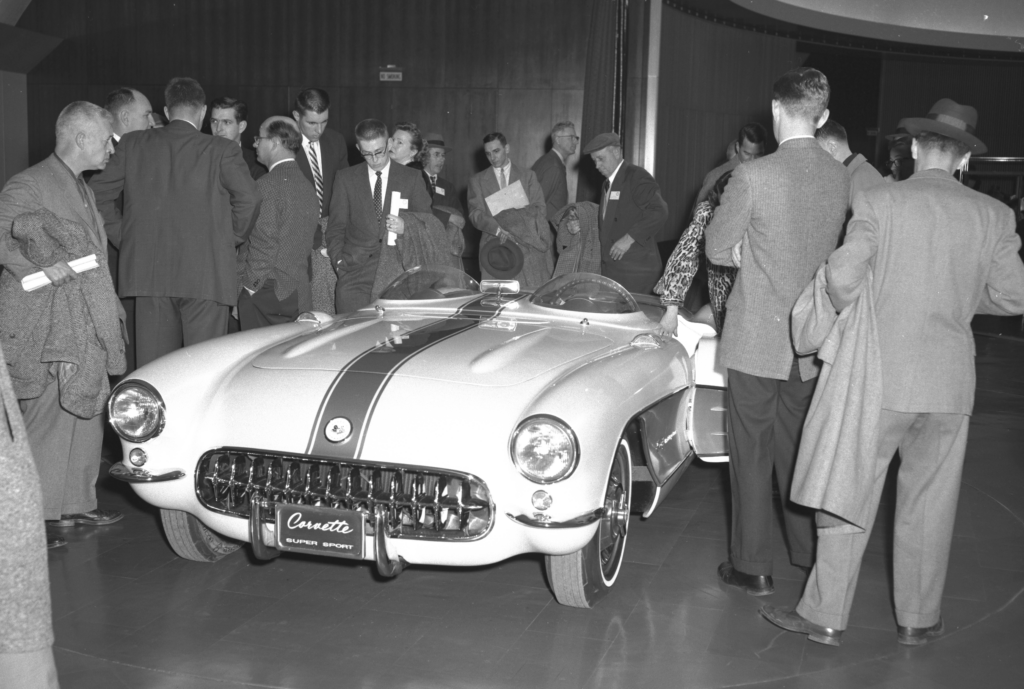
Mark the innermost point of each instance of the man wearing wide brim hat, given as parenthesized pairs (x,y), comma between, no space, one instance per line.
(928,253)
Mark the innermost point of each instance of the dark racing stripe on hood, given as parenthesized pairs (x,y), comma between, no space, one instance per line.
(355,390)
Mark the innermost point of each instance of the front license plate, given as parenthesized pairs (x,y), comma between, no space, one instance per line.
(320,530)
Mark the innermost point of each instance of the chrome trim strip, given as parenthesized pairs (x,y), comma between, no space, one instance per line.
(582,520)
(260,550)
(130,475)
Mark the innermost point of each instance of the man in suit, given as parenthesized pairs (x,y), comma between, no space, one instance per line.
(273,264)
(432,159)
(66,447)
(749,145)
(501,174)
(324,151)
(132,112)
(360,220)
(832,137)
(189,201)
(550,168)
(632,214)
(936,252)
(228,121)
(780,217)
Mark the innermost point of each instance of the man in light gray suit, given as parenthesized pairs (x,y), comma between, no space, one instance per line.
(936,253)
(779,219)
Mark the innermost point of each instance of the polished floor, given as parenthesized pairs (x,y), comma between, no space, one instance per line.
(128,613)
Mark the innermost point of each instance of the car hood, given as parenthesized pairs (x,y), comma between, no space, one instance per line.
(459,348)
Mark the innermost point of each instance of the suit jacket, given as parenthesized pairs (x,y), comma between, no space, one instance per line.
(483,184)
(640,212)
(255,169)
(189,200)
(709,180)
(46,185)
(939,252)
(788,209)
(863,175)
(551,174)
(333,157)
(278,246)
(354,234)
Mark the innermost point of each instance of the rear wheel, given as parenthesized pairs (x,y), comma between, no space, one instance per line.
(190,538)
(582,578)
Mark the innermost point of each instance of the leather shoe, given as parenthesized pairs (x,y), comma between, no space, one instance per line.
(755,585)
(916,636)
(91,518)
(55,542)
(790,620)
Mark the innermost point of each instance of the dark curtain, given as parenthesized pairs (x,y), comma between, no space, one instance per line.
(604,86)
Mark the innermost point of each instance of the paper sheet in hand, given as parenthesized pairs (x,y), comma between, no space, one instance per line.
(511,196)
(689,334)
(32,282)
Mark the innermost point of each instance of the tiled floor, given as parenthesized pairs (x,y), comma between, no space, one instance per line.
(128,613)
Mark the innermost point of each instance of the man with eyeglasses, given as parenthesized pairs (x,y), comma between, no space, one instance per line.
(550,168)
(360,220)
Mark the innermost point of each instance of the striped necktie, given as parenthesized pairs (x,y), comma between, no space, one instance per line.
(318,178)
(378,198)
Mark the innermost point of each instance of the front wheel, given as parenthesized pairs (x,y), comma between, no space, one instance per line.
(190,539)
(582,578)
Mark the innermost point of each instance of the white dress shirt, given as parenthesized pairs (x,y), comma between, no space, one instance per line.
(507,169)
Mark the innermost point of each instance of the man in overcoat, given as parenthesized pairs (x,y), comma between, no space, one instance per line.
(929,253)
(779,219)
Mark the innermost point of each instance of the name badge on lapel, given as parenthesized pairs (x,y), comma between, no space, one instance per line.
(613,196)
(439,190)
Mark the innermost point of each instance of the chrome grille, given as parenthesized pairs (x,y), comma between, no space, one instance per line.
(420,502)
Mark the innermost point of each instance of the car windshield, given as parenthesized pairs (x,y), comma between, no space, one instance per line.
(585,292)
(431,282)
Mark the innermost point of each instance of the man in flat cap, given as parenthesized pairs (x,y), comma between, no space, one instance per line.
(921,257)
(632,213)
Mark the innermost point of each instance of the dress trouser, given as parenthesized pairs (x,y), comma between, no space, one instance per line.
(67,453)
(766,417)
(355,285)
(165,324)
(263,308)
(931,461)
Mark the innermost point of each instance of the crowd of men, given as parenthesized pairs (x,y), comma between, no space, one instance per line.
(202,228)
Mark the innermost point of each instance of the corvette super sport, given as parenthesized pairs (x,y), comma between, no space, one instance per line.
(447,423)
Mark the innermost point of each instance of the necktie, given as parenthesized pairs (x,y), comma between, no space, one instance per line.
(318,178)
(504,181)
(378,199)
(433,184)
(604,197)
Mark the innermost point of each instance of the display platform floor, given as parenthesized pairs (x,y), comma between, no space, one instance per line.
(128,613)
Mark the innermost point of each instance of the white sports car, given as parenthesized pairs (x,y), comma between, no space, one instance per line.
(444,424)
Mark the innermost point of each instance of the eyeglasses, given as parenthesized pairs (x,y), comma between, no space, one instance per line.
(256,139)
(374,154)
(568,136)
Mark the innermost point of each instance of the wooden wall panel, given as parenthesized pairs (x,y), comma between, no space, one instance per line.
(713,80)
(469,66)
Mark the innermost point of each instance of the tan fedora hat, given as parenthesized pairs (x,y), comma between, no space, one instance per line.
(949,118)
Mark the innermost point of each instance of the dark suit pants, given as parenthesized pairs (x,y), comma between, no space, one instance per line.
(931,461)
(263,308)
(355,285)
(766,417)
(66,450)
(165,324)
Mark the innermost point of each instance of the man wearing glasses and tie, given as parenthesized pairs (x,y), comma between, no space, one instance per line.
(360,221)
(551,166)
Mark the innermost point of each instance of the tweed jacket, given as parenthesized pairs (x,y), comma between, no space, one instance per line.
(483,184)
(333,157)
(940,252)
(863,175)
(550,172)
(788,209)
(640,212)
(278,246)
(354,235)
(189,201)
(25,616)
(580,252)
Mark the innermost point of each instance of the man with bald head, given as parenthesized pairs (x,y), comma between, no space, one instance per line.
(131,110)
(273,264)
(66,445)
(189,201)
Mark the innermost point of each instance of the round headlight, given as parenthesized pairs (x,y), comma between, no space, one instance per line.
(136,411)
(544,449)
